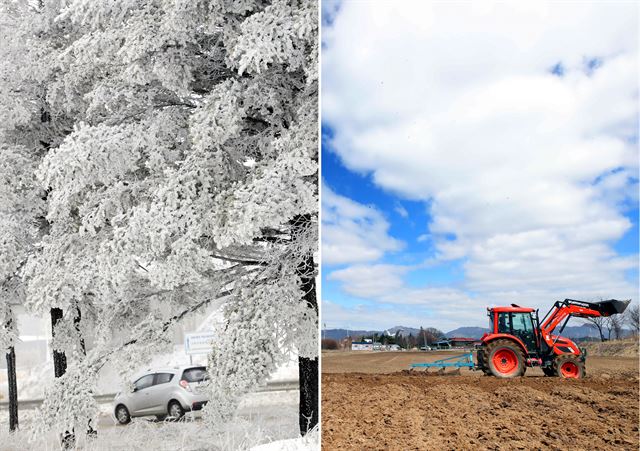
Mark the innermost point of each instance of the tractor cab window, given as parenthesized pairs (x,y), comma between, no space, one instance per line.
(518,324)
(522,323)
(514,323)
(503,323)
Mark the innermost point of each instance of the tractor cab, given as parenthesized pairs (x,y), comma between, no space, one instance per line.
(519,322)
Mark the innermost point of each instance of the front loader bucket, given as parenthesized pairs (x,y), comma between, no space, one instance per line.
(610,307)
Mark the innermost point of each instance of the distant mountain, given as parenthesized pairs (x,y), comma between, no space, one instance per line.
(467,332)
(581,331)
(339,334)
(404,330)
(574,332)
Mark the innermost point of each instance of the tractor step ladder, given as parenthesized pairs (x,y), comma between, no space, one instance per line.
(457,361)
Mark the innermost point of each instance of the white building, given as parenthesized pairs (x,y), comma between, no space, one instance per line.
(361,346)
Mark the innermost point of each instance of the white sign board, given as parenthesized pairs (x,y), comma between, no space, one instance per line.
(198,343)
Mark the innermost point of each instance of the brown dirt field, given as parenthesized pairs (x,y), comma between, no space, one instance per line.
(370,403)
(621,348)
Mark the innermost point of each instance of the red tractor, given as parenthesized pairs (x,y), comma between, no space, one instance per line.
(519,339)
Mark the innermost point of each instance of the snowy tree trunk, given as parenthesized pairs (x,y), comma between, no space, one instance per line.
(13,389)
(59,358)
(76,322)
(308,368)
(59,368)
(308,374)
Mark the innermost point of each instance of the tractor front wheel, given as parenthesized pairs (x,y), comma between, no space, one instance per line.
(569,366)
(505,359)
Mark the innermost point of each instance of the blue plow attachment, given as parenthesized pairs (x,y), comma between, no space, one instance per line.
(457,361)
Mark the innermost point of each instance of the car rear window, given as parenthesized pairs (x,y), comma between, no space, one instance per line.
(197,374)
(163,378)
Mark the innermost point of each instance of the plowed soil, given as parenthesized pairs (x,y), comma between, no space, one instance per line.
(384,407)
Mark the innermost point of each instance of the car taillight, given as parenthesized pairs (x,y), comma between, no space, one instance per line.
(184,384)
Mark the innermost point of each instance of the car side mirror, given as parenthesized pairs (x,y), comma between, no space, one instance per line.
(134,389)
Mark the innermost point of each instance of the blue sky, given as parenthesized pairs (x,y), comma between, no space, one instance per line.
(504,172)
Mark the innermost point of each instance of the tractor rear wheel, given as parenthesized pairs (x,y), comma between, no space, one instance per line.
(482,361)
(569,366)
(505,359)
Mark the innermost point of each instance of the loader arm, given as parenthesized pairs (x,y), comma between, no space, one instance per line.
(562,311)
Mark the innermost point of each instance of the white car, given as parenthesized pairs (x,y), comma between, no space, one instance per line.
(166,392)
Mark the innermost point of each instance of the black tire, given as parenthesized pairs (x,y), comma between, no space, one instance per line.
(482,361)
(569,366)
(514,363)
(175,410)
(549,371)
(122,414)
(482,365)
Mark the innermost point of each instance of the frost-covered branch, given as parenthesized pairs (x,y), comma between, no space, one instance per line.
(156,156)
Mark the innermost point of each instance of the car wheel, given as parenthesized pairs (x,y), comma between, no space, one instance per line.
(122,415)
(175,410)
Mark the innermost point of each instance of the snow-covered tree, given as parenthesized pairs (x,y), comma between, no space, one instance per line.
(176,152)
(22,208)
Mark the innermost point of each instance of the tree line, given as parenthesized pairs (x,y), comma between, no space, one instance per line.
(612,327)
(425,337)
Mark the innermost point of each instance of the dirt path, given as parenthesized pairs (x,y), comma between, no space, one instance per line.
(399,411)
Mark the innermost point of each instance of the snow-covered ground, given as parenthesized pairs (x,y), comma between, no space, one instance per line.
(308,443)
(262,419)
(267,418)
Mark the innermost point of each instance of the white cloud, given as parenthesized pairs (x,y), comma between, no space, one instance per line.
(385,284)
(370,281)
(368,316)
(401,210)
(455,104)
(352,232)
(329,10)
(363,316)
